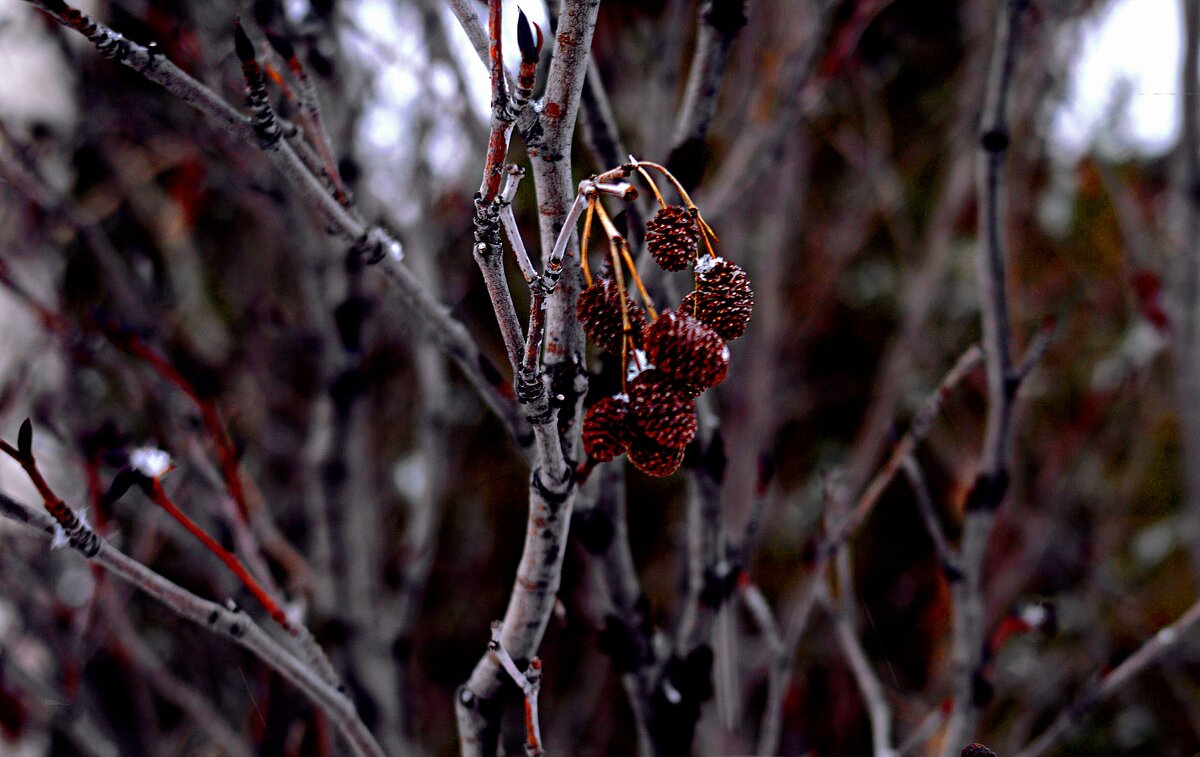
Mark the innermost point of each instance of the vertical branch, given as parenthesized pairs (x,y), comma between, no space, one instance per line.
(720,22)
(1187,231)
(842,612)
(991,481)
(552,487)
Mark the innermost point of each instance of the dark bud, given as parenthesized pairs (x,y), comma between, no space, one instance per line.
(121,484)
(281,45)
(349,384)
(976,750)
(25,440)
(322,8)
(719,583)
(489,370)
(55,6)
(242,43)
(530,48)
(349,171)
(994,140)
(620,643)
(727,16)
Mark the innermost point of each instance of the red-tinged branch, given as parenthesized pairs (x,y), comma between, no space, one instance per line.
(310,106)
(232,623)
(503,113)
(158,496)
(213,424)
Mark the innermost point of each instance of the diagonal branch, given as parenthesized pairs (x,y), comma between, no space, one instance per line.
(431,319)
(232,623)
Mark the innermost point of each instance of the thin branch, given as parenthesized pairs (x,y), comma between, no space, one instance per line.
(839,532)
(232,623)
(933,527)
(841,612)
(720,23)
(991,482)
(552,487)
(1149,653)
(431,318)
(917,431)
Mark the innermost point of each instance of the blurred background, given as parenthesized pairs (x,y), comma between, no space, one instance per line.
(838,170)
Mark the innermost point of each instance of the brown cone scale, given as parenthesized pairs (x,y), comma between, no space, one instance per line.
(663,413)
(673,237)
(685,350)
(654,459)
(599,312)
(723,299)
(606,431)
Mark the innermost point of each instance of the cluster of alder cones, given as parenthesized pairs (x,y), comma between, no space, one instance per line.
(667,359)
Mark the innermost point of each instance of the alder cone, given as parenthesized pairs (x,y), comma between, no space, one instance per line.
(599,311)
(663,413)
(654,459)
(606,431)
(686,351)
(673,237)
(723,299)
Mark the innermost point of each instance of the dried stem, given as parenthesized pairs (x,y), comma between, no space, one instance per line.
(842,613)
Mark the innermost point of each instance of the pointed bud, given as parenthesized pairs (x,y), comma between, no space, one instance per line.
(242,43)
(530,49)
(120,484)
(25,440)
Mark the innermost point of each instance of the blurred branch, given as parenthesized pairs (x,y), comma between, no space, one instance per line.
(945,553)
(839,531)
(1152,650)
(431,319)
(232,623)
(720,23)
(842,613)
(991,481)
(1186,218)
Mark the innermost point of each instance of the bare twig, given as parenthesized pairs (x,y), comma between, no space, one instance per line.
(232,623)
(431,319)
(552,487)
(842,613)
(806,595)
(991,480)
(946,555)
(1149,653)
(720,22)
